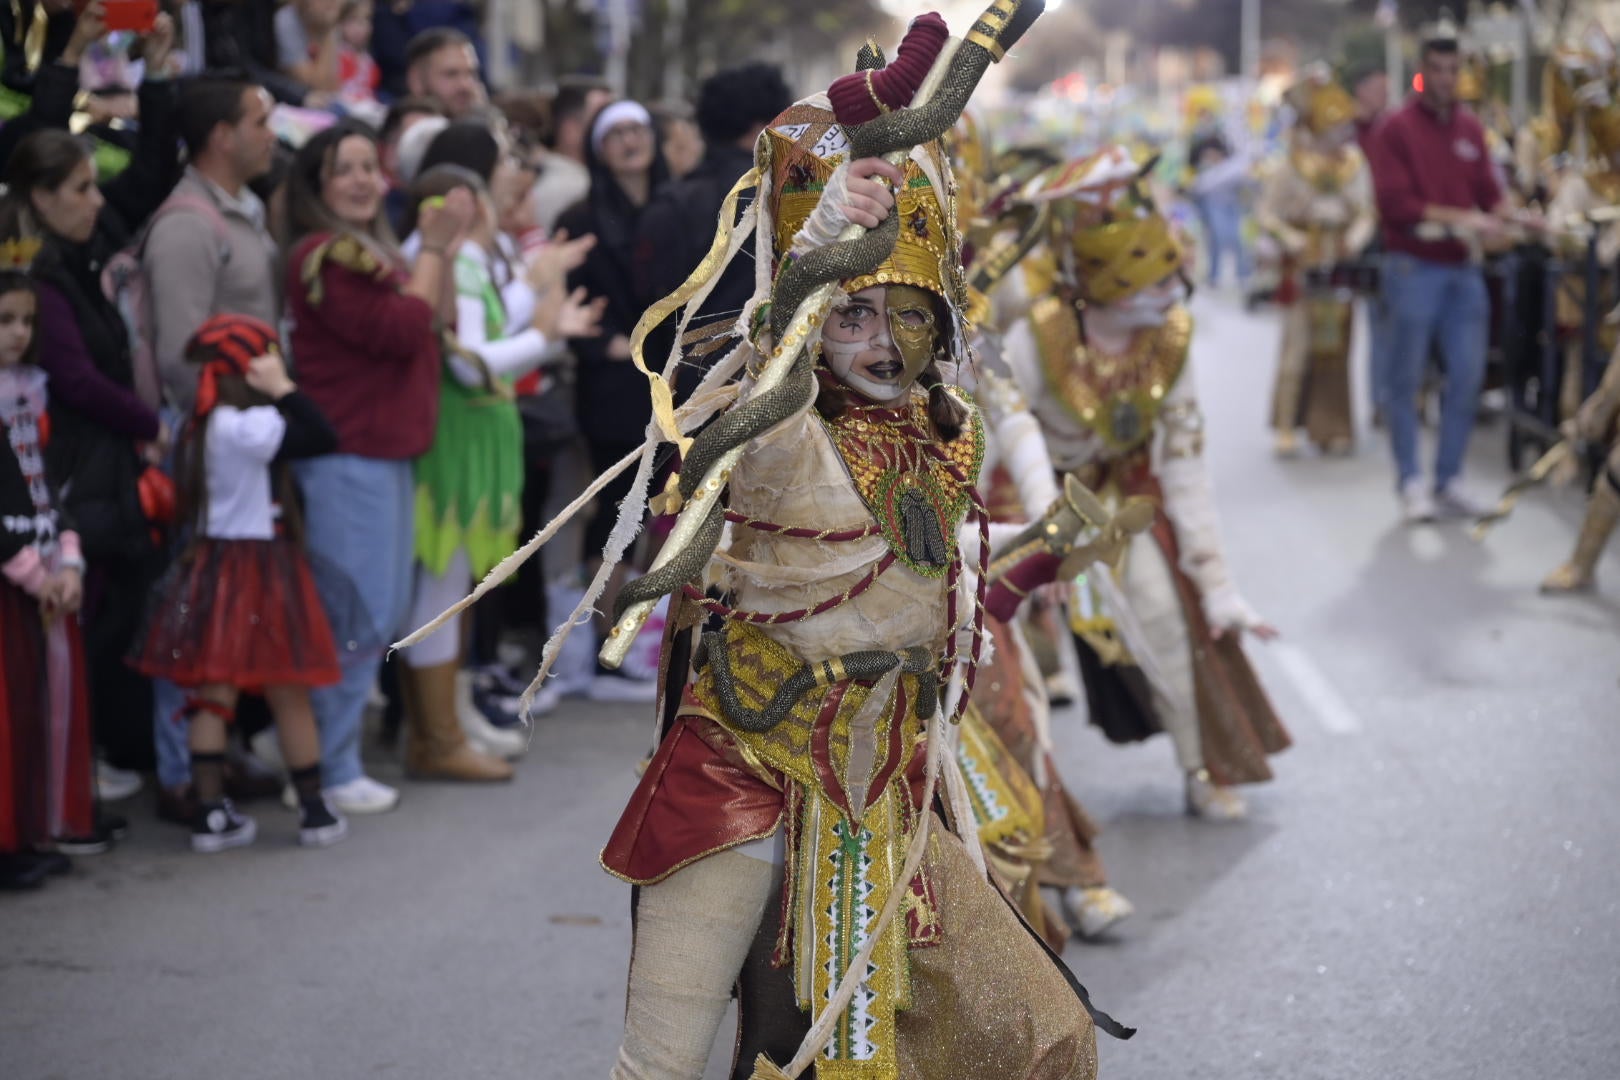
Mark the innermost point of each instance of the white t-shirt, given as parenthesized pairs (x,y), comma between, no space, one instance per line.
(241,445)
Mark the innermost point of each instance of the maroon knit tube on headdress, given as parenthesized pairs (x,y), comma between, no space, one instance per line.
(895,85)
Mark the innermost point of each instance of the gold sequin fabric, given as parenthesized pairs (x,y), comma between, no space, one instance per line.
(1118,397)
(887,453)
(987,1001)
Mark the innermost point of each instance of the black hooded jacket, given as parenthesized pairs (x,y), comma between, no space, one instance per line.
(613,401)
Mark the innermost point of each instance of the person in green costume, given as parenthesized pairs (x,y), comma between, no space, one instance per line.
(507,320)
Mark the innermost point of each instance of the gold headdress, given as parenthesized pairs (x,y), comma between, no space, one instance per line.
(1473,79)
(1103,214)
(19,254)
(1579,97)
(1320,102)
(806,144)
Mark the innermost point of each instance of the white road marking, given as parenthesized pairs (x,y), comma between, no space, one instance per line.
(1332,711)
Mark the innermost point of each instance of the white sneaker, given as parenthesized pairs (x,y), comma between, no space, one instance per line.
(1096,909)
(1452,502)
(1212,802)
(1416,505)
(507,745)
(266,746)
(362,795)
(114,784)
(612,687)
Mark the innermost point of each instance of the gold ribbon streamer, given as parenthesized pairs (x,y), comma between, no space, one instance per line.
(663,398)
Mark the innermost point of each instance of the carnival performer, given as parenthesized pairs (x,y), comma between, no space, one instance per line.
(46,769)
(1048,840)
(1597,424)
(508,320)
(789,809)
(239,610)
(1317,203)
(1104,361)
(1581,118)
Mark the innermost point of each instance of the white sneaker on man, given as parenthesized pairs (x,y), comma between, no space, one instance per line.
(362,795)
(1452,502)
(1417,507)
(114,784)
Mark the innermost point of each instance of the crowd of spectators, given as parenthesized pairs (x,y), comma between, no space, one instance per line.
(452,282)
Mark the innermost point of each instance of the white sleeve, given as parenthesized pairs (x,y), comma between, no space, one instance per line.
(520,301)
(1019,444)
(253,434)
(1189,503)
(512,356)
(967,538)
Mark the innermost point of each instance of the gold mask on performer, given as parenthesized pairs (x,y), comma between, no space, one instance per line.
(881,341)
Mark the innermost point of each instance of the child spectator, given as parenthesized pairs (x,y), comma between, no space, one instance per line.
(45,756)
(357,71)
(239,610)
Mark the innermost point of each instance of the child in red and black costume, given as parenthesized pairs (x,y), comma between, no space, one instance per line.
(239,610)
(46,773)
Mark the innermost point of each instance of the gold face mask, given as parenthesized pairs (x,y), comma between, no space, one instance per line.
(912,325)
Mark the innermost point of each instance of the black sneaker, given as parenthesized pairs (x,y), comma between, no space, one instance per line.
(21,872)
(219,827)
(56,864)
(112,826)
(319,825)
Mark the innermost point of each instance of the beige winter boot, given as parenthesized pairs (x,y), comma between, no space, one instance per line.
(435,748)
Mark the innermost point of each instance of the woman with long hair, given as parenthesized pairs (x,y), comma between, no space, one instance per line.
(103,410)
(369,355)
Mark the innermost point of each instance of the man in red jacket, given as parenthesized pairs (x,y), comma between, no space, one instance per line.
(1431,167)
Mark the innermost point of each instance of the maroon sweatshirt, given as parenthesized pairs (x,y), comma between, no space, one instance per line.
(367,355)
(1421,160)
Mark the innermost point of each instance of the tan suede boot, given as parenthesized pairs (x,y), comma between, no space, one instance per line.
(435,748)
(1579,573)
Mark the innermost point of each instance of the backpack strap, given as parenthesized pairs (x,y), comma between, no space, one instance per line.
(203,206)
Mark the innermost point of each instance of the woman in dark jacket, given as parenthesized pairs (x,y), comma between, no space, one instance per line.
(612,400)
(100,423)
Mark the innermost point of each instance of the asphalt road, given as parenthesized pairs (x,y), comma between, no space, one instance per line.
(1431,890)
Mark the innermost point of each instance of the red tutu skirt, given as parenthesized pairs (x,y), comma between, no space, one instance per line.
(241,612)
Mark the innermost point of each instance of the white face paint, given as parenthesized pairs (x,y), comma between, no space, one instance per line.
(858,342)
(1148,308)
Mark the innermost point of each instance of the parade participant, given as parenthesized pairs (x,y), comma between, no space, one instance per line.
(1011,697)
(1104,361)
(46,769)
(1433,170)
(1317,202)
(470,482)
(239,610)
(791,801)
(1598,424)
(1581,118)
(836,773)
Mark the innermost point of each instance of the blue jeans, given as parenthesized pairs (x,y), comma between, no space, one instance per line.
(1433,302)
(358,517)
(1378,344)
(1223,231)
